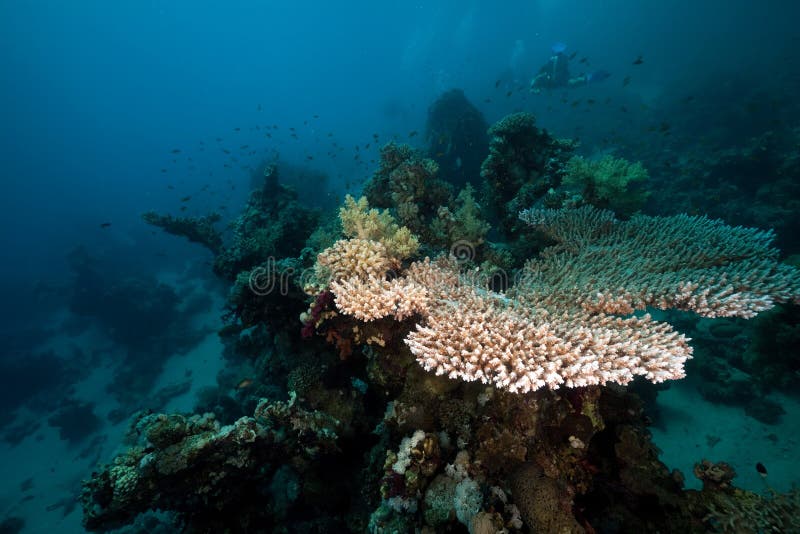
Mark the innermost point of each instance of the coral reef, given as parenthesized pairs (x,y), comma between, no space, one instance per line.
(462,227)
(272,225)
(561,324)
(469,392)
(179,462)
(607,183)
(524,163)
(410,184)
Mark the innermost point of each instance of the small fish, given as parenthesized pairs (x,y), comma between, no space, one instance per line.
(626,81)
(244,147)
(572,55)
(584,60)
(244,383)
(509,93)
(366,145)
(183,208)
(259,107)
(761,469)
(487,100)
(237,129)
(497,84)
(105,225)
(638,61)
(412,133)
(176,150)
(186,198)
(688,99)
(163,170)
(316,116)
(170,186)
(309,158)
(591,101)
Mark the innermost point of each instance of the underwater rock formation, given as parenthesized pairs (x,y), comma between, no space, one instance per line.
(456,135)
(196,229)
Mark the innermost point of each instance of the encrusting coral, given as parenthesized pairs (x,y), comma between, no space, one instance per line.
(180,456)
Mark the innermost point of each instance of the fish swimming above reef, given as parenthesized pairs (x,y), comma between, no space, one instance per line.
(597,76)
(761,469)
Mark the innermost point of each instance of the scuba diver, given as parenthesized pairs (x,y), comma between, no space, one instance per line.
(555,73)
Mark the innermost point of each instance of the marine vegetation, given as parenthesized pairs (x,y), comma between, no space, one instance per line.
(609,182)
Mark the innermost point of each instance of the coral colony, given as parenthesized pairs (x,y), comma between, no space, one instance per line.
(460,355)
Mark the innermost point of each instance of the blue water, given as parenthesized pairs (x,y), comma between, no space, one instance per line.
(111,109)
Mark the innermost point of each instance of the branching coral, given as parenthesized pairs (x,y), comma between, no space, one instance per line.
(561,324)
(465,225)
(359,221)
(688,263)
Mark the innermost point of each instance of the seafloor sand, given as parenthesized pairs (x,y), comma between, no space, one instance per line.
(694,428)
(56,467)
